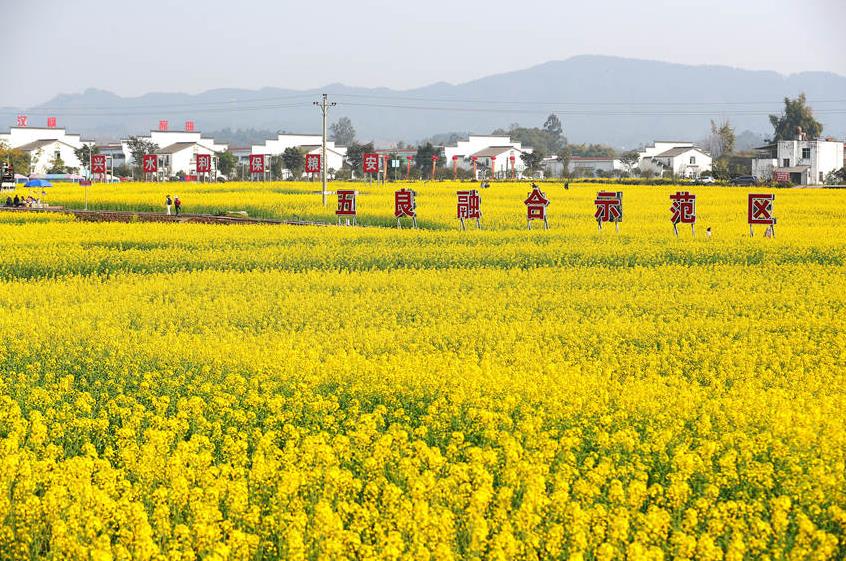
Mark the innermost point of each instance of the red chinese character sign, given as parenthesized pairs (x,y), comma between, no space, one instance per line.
(256,163)
(609,208)
(312,163)
(683,210)
(22,120)
(98,163)
(346,205)
(760,211)
(370,163)
(189,126)
(469,207)
(203,163)
(51,122)
(536,205)
(405,205)
(151,163)
(163,125)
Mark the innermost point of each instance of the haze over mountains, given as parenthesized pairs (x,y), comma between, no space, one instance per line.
(599,99)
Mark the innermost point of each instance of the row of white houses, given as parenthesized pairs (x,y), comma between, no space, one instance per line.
(800,161)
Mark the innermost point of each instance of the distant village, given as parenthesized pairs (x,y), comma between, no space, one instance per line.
(52,152)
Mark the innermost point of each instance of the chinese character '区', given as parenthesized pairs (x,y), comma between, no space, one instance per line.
(760,210)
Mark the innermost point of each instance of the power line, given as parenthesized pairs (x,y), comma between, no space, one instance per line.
(222,104)
(586,103)
(573,112)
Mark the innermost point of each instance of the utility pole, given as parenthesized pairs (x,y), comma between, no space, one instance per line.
(324,108)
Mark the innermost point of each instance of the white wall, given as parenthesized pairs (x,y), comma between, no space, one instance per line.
(335,155)
(185,160)
(605,165)
(825,157)
(41,158)
(18,136)
(762,168)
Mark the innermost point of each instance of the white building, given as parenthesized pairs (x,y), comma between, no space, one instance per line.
(43,144)
(492,153)
(308,144)
(803,162)
(677,158)
(182,157)
(587,166)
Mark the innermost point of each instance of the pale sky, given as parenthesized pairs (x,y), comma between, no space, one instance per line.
(191,46)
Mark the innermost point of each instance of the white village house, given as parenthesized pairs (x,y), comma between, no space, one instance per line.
(800,161)
(588,166)
(308,144)
(43,144)
(676,158)
(177,150)
(493,154)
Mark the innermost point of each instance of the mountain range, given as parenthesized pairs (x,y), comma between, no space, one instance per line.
(599,99)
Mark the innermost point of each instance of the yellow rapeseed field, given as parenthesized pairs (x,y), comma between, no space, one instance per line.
(199,392)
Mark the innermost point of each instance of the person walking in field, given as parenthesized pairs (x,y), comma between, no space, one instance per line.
(177,204)
(168,203)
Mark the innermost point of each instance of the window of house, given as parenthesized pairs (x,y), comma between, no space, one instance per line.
(693,159)
(806,153)
(785,163)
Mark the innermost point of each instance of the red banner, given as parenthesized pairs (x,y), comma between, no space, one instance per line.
(256,163)
(51,122)
(21,120)
(370,163)
(151,163)
(98,163)
(203,163)
(189,126)
(163,125)
(312,163)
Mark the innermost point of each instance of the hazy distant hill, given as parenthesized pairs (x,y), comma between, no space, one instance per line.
(619,101)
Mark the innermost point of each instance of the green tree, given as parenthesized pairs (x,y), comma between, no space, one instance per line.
(277,164)
(138,148)
(57,164)
(18,159)
(533,160)
(553,126)
(722,139)
(796,114)
(226,163)
(629,159)
(294,161)
(592,151)
(549,139)
(565,155)
(84,153)
(355,155)
(423,159)
(342,131)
